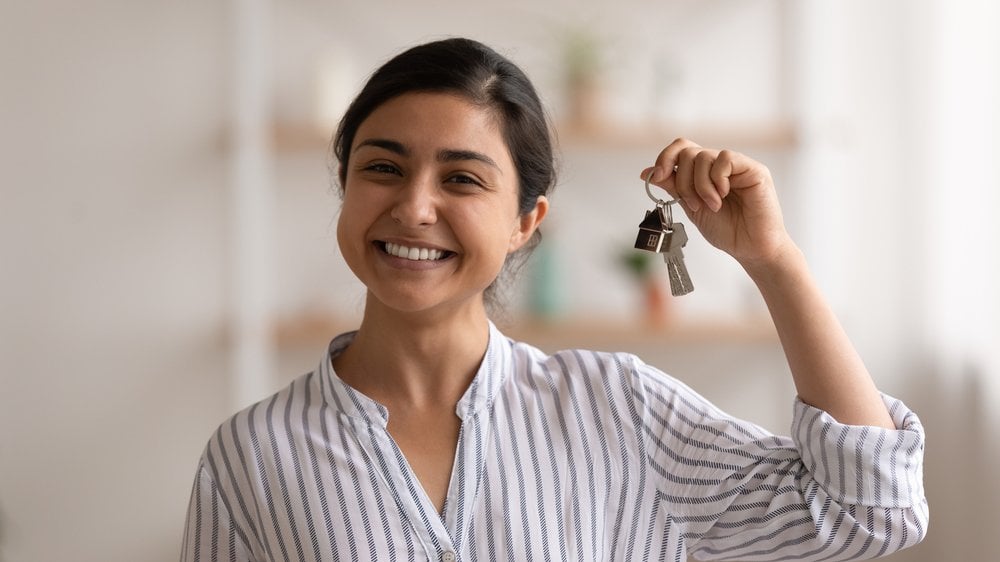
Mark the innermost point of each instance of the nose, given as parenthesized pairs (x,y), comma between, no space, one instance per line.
(416,203)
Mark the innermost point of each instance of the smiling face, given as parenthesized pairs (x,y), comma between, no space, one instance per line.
(430,206)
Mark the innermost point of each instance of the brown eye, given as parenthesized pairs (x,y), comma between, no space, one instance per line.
(462,178)
(382,168)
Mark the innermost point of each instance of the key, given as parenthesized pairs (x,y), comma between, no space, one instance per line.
(676,238)
(659,233)
(652,231)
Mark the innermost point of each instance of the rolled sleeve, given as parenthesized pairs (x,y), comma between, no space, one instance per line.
(863,465)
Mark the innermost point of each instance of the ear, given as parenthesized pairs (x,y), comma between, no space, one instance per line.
(527,224)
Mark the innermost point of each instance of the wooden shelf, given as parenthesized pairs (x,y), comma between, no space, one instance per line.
(287,137)
(587,333)
(761,135)
(596,333)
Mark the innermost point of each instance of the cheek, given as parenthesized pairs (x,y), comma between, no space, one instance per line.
(350,242)
(496,233)
(348,224)
(353,208)
(343,237)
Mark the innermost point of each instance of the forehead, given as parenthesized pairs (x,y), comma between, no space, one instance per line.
(435,121)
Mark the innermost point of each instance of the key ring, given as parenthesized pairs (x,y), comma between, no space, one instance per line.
(660,203)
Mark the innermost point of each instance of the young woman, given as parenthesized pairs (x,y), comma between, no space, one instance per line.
(428,435)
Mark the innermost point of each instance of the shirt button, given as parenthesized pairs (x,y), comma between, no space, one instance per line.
(448,557)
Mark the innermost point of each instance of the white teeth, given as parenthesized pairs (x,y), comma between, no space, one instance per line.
(412,253)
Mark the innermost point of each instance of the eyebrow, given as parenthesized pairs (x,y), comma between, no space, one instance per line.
(390,145)
(444,155)
(459,155)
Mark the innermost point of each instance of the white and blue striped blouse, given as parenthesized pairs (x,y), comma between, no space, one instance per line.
(573,456)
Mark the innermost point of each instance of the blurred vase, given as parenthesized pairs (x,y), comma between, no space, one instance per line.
(584,105)
(656,304)
(546,293)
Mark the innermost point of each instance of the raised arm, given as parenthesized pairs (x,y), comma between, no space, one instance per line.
(731,199)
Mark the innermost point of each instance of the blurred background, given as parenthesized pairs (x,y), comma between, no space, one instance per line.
(167,223)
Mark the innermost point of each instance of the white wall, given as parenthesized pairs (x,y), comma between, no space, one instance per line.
(113,240)
(115,223)
(909,94)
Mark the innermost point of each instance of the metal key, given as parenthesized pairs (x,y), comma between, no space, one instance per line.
(659,233)
(676,238)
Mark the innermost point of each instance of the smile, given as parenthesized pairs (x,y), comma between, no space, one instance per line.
(415,254)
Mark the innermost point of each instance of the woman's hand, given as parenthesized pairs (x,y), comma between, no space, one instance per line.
(728,196)
(731,199)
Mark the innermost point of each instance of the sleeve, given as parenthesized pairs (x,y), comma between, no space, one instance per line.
(737,492)
(210,534)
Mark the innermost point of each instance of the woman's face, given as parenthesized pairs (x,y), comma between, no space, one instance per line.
(430,206)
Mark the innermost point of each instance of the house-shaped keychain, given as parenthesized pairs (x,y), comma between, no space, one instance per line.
(652,231)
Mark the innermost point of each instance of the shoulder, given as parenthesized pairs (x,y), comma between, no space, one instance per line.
(301,393)
(266,428)
(614,372)
(619,380)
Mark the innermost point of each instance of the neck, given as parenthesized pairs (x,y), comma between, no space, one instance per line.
(415,358)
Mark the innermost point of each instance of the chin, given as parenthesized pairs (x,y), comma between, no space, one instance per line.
(412,301)
(421,301)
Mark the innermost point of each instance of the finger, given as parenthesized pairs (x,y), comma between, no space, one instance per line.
(666,184)
(657,175)
(661,174)
(667,159)
(684,178)
(722,171)
(747,172)
(703,184)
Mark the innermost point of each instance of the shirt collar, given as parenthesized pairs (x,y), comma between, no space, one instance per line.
(341,396)
(493,371)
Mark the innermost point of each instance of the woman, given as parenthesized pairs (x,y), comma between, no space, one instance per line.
(428,435)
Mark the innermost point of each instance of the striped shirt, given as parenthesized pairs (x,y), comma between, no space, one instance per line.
(578,455)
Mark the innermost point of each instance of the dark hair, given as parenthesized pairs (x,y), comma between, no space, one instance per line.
(485,78)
